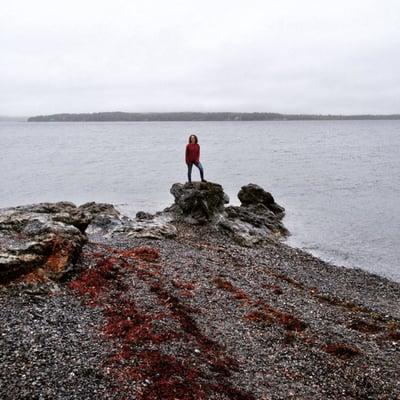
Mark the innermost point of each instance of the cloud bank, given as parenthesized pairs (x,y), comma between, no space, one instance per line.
(293,57)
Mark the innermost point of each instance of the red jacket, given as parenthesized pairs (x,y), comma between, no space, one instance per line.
(192,152)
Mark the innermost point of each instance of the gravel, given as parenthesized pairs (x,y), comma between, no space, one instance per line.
(207,319)
(49,346)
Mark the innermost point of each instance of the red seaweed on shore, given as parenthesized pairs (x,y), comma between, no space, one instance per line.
(238,294)
(193,375)
(93,282)
(365,327)
(342,350)
(267,314)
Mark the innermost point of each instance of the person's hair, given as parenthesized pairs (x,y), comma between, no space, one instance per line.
(195,138)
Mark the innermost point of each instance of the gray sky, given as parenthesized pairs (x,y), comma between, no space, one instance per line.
(289,56)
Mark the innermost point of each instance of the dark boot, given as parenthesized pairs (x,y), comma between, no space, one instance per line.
(202,175)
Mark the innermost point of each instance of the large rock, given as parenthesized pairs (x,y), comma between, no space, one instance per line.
(104,218)
(107,222)
(256,219)
(254,195)
(251,225)
(149,226)
(40,241)
(198,202)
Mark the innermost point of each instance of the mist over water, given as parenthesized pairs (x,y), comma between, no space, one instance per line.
(338,180)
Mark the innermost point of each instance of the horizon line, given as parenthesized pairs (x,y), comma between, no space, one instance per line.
(206,112)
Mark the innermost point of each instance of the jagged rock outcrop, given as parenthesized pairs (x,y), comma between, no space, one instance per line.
(254,195)
(108,222)
(146,225)
(256,219)
(197,202)
(40,241)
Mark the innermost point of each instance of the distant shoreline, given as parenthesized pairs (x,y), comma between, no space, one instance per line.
(200,116)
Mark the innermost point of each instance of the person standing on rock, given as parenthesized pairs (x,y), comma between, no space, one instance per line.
(193,157)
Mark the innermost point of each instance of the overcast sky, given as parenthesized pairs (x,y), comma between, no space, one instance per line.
(289,56)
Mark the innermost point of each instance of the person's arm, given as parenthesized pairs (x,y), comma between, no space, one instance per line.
(198,154)
(187,154)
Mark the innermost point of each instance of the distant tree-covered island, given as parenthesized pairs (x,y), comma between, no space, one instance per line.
(200,116)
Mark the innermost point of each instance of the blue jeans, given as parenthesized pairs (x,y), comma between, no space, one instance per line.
(199,166)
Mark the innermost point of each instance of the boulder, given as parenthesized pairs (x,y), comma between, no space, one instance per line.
(251,225)
(104,218)
(107,222)
(256,219)
(146,225)
(142,215)
(198,202)
(41,241)
(254,195)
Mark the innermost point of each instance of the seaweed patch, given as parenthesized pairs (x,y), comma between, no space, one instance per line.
(342,350)
(138,333)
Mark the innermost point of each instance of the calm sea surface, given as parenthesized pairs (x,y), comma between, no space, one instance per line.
(338,180)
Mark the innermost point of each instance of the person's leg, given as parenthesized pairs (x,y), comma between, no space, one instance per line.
(190,165)
(200,167)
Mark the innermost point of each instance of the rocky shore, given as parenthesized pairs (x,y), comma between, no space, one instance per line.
(199,301)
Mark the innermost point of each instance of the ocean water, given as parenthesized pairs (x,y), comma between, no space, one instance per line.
(338,180)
